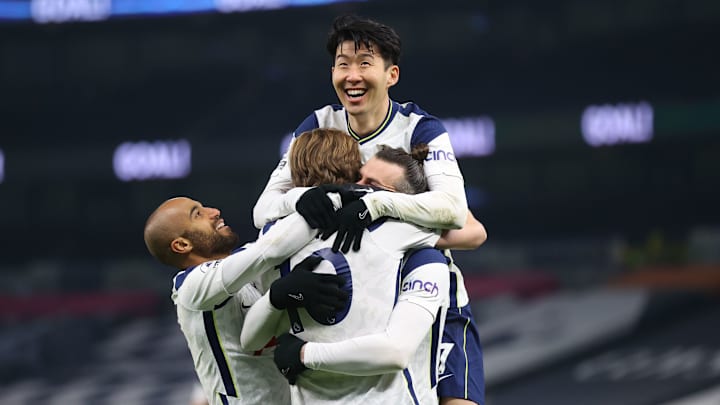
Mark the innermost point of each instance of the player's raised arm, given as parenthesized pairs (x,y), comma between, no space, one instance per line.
(211,282)
(271,205)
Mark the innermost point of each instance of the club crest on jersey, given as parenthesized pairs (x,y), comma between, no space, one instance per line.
(440,155)
(427,286)
(209,265)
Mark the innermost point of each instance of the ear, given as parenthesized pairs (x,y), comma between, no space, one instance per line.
(393,75)
(181,245)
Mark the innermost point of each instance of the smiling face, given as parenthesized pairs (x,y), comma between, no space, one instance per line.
(183,232)
(361,78)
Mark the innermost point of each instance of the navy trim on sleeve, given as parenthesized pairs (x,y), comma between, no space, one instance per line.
(180,277)
(311,122)
(421,257)
(426,130)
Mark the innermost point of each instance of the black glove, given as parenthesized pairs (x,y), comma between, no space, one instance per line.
(352,221)
(320,294)
(317,209)
(287,356)
(349,192)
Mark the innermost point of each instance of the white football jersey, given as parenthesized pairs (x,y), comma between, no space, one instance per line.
(405,126)
(228,374)
(212,300)
(374,281)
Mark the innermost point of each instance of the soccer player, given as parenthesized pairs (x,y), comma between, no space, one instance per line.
(383,346)
(215,288)
(365,57)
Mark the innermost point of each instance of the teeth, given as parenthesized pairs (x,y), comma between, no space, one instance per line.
(220,224)
(354,93)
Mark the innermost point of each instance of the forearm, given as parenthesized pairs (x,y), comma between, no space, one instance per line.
(262,323)
(281,241)
(445,207)
(271,204)
(470,236)
(380,353)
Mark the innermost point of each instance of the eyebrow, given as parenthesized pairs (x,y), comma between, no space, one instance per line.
(364,54)
(193,209)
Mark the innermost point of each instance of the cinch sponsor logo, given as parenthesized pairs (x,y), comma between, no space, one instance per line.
(432,288)
(440,155)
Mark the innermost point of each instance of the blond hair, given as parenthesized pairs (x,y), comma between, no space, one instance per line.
(324,156)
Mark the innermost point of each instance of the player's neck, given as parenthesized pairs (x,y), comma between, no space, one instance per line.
(196,260)
(366,123)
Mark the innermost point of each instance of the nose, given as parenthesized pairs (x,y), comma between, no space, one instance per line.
(213,212)
(363,181)
(353,74)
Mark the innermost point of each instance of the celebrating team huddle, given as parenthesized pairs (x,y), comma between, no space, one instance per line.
(347,295)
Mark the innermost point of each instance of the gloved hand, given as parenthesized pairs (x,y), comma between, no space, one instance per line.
(349,192)
(317,209)
(287,356)
(352,221)
(320,294)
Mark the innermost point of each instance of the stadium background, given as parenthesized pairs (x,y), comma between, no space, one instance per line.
(598,282)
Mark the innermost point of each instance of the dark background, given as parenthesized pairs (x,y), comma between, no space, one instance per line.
(233,85)
(559,212)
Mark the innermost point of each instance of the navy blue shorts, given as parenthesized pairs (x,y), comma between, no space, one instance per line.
(461,363)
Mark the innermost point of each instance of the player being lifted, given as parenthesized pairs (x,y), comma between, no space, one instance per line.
(365,57)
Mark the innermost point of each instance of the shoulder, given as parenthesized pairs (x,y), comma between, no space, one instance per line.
(330,115)
(427,127)
(193,274)
(421,257)
(409,108)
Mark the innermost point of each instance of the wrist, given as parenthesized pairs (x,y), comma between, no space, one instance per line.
(372,209)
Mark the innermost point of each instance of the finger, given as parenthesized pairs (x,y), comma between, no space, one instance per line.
(332,279)
(332,295)
(326,233)
(347,242)
(338,239)
(358,238)
(309,263)
(335,303)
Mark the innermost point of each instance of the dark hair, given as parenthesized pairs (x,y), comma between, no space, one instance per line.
(414,181)
(363,31)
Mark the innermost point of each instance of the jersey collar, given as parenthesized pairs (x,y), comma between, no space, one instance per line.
(392,109)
